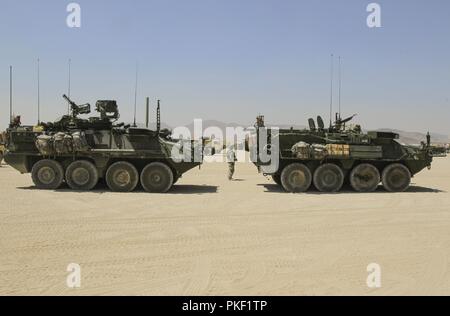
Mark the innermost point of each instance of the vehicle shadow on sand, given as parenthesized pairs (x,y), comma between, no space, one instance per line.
(101,188)
(274,188)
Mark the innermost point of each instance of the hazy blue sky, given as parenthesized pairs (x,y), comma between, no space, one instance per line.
(232,59)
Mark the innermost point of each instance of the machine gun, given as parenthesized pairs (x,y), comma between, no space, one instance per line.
(77,109)
(339,124)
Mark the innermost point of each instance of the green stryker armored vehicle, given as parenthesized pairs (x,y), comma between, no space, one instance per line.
(81,151)
(328,157)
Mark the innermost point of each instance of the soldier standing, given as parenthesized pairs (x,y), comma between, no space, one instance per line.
(231,160)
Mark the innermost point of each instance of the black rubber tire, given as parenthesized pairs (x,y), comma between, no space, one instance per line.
(328,178)
(122,176)
(365,178)
(296,177)
(396,178)
(157,177)
(277,179)
(81,175)
(47,174)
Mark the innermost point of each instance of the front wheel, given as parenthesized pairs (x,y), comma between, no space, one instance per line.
(396,178)
(81,175)
(157,177)
(47,174)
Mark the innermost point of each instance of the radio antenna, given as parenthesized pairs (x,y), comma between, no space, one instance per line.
(340,77)
(331,91)
(135,96)
(10,94)
(38,94)
(68,89)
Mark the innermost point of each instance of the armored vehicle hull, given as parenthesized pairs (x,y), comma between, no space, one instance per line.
(80,152)
(327,158)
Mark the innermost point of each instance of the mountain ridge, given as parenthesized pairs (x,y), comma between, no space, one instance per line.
(407,137)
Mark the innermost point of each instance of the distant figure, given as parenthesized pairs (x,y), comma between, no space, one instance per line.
(231,160)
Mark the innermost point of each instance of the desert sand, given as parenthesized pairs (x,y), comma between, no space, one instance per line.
(210,236)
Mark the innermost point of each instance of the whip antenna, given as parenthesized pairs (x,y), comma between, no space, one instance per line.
(331,91)
(340,87)
(135,96)
(10,95)
(68,89)
(38,94)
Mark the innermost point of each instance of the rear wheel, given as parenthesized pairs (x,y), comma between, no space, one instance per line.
(365,178)
(122,176)
(157,177)
(81,175)
(296,177)
(328,178)
(276,178)
(396,178)
(47,174)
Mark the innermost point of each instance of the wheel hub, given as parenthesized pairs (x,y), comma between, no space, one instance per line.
(46,175)
(298,178)
(80,176)
(365,177)
(396,178)
(329,178)
(122,177)
(156,178)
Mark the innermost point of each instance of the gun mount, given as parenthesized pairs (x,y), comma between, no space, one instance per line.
(77,109)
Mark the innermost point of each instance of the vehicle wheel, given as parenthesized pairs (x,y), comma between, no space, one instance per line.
(276,178)
(122,176)
(396,178)
(328,178)
(47,174)
(81,175)
(296,177)
(365,178)
(156,177)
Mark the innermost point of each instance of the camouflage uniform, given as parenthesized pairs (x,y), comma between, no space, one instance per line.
(231,160)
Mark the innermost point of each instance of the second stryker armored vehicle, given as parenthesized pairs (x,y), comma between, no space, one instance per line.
(82,151)
(327,157)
